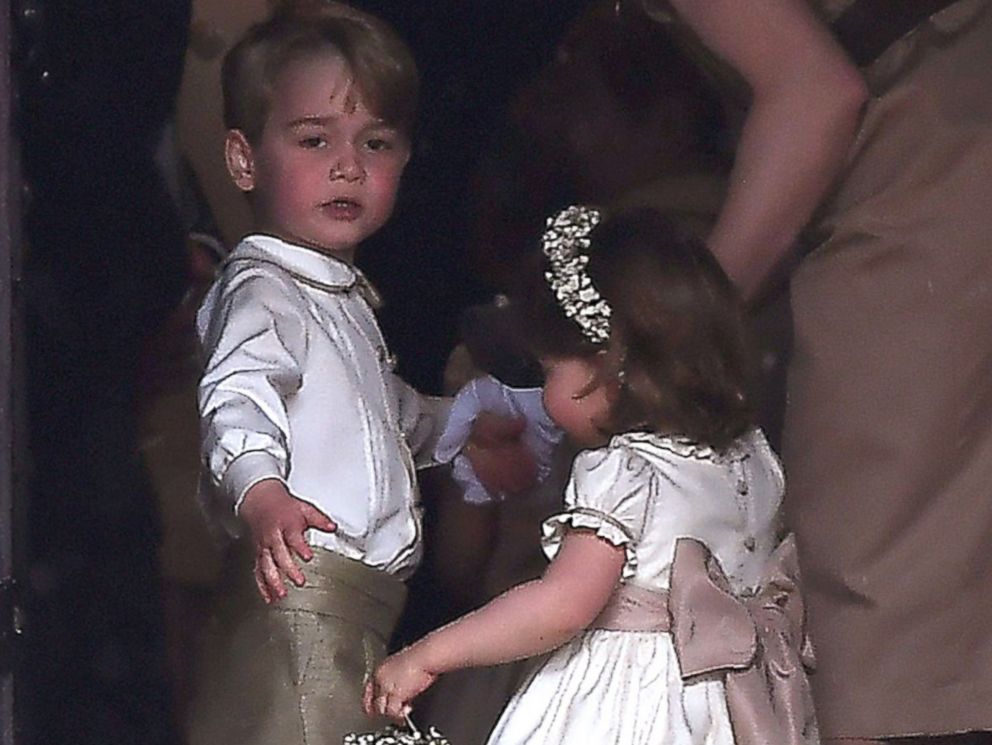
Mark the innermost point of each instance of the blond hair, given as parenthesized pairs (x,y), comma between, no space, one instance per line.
(382,65)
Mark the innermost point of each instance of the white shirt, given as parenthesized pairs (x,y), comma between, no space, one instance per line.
(298,386)
(541,435)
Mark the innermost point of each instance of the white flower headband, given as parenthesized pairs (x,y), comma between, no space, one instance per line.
(565,243)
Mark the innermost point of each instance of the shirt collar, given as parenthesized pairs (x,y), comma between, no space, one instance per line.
(307,265)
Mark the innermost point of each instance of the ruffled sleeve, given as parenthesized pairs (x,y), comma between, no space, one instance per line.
(608,493)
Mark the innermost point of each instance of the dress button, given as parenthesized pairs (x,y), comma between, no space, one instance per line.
(750,543)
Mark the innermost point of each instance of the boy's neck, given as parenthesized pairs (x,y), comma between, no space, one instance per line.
(345,256)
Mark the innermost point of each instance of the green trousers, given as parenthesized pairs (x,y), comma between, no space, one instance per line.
(293,673)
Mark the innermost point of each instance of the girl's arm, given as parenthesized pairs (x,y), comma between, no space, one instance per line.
(525,621)
(806,103)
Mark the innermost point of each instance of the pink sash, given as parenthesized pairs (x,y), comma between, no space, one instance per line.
(758,642)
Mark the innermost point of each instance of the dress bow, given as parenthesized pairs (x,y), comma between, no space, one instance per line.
(759,642)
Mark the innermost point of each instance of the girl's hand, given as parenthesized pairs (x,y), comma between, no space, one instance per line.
(399,679)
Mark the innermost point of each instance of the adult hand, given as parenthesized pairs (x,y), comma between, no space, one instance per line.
(278,522)
(501,461)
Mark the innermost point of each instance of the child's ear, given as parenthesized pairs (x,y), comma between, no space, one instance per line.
(240,159)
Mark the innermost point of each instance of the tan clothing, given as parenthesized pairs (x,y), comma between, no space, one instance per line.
(888,433)
(888,439)
(294,673)
(190,554)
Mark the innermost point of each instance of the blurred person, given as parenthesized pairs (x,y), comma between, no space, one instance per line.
(622,116)
(618,108)
(215,26)
(873,132)
(169,437)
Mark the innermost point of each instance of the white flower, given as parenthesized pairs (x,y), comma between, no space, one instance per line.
(564,241)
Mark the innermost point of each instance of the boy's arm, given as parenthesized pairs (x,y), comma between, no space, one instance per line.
(422,421)
(256,347)
(483,428)
(464,409)
(499,458)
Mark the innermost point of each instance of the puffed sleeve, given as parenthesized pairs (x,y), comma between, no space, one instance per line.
(255,341)
(608,493)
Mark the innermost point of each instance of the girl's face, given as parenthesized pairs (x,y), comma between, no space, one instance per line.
(574,401)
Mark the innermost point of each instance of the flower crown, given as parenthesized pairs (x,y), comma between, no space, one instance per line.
(565,243)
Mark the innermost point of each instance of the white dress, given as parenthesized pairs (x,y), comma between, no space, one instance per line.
(643,492)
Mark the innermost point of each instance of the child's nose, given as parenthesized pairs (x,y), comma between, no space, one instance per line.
(347,166)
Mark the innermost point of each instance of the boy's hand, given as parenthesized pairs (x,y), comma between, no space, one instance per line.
(277,521)
(501,461)
(398,680)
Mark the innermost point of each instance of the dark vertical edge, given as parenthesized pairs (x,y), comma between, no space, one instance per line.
(9,215)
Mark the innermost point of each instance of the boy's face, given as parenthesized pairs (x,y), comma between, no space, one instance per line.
(325,171)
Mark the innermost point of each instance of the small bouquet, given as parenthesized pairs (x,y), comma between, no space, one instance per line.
(393,735)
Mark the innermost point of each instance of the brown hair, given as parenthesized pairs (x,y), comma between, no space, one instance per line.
(678,355)
(384,69)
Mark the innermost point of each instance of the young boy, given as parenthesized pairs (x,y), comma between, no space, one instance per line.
(302,418)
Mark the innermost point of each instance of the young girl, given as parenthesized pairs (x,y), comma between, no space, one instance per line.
(671,606)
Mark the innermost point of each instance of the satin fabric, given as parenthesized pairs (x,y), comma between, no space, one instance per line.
(888,435)
(294,673)
(643,492)
(758,641)
(298,386)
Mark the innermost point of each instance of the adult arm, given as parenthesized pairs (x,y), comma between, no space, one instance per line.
(805,108)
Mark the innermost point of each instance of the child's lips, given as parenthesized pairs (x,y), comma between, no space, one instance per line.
(342,208)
